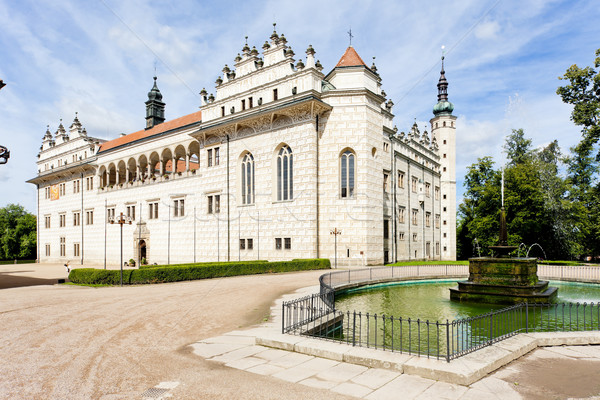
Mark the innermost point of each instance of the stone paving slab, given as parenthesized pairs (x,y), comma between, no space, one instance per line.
(318,383)
(406,386)
(239,354)
(305,370)
(245,363)
(209,350)
(265,369)
(341,372)
(443,391)
(352,389)
(374,378)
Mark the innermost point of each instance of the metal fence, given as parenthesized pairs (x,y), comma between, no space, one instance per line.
(316,316)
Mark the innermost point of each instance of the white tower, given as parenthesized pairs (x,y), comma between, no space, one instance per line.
(443,128)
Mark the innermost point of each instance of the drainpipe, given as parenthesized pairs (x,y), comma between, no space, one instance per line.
(228,208)
(81,220)
(409,211)
(317,186)
(37,225)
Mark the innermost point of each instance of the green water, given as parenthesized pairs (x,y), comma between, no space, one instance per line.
(430,300)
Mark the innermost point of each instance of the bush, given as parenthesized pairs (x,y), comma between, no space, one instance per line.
(204,263)
(188,272)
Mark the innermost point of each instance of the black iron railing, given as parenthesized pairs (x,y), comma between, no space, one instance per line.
(316,316)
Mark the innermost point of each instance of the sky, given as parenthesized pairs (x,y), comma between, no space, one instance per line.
(97,57)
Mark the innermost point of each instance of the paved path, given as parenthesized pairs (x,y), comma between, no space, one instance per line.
(69,342)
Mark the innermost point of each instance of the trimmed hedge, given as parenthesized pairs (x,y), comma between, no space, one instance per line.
(189,272)
(203,263)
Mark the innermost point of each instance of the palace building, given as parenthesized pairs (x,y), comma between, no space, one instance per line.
(276,160)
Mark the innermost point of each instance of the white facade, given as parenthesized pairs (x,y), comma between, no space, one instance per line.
(279,158)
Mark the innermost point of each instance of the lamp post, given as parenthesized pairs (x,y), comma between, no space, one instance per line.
(122,220)
(335,232)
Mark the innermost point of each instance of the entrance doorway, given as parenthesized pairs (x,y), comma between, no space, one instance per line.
(142,249)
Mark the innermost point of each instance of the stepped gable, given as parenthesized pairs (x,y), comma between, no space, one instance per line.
(160,128)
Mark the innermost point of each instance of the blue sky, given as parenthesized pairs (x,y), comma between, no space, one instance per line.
(97,58)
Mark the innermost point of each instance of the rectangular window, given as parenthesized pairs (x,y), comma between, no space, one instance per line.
(47,193)
(89,217)
(287,243)
(444,222)
(250,105)
(385,182)
(47,221)
(249,244)
(274,94)
(209,158)
(75,249)
(414,181)
(214,204)
(428,219)
(243,104)
(62,189)
(47,250)
(278,242)
(153,210)
(131,212)
(437,248)
(242,244)
(222,111)
(427,189)
(415,214)
(400,179)
(437,221)
(76,218)
(62,220)
(401,212)
(76,185)
(437,192)
(62,247)
(386,229)
(401,236)
(110,214)
(428,249)
(178,208)
(414,237)
(216,156)
(89,183)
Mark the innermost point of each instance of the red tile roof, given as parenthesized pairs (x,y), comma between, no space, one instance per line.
(155,130)
(350,59)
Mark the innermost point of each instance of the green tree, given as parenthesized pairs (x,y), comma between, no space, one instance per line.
(517,147)
(583,92)
(17,233)
(536,203)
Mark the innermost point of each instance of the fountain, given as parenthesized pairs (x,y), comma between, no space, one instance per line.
(503,279)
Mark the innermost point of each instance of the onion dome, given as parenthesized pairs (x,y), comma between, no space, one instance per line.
(154,93)
(443,107)
(254,52)
(266,45)
(318,65)
(274,35)
(219,81)
(310,50)
(238,58)
(289,52)
(299,64)
(282,39)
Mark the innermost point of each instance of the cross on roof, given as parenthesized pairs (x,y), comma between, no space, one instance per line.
(351,36)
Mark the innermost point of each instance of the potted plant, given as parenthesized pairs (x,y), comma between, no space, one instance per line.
(144,261)
(193,171)
(131,262)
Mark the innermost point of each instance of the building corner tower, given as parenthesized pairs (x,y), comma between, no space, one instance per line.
(443,128)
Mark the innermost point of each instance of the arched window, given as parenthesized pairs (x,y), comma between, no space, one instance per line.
(285,174)
(347,174)
(247,179)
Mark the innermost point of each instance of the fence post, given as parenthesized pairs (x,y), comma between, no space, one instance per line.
(491,329)
(283,317)
(526,318)
(447,341)
(354,329)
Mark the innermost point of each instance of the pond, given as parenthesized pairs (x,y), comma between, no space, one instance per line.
(430,299)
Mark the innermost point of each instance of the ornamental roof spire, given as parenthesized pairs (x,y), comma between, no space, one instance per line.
(443,106)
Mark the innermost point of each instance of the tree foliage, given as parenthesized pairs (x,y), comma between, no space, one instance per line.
(538,208)
(17,233)
(583,92)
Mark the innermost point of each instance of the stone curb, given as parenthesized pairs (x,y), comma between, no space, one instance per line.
(464,370)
